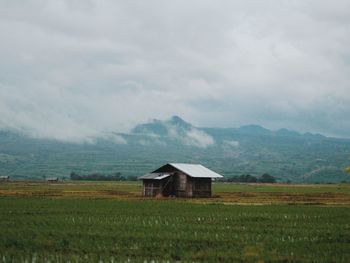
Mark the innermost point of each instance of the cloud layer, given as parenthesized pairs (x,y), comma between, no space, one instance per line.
(71,70)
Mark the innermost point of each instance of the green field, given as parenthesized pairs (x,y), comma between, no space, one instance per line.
(111,222)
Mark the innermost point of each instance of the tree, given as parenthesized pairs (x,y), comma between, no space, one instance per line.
(266,178)
(97,177)
(244,178)
(247,178)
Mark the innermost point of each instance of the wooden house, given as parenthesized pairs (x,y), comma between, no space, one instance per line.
(179,179)
(52,180)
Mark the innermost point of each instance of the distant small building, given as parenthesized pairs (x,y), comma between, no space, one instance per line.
(52,179)
(4,178)
(179,179)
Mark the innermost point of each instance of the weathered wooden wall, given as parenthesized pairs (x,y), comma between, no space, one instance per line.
(178,184)
(151,188)
(162,187)
(201,187)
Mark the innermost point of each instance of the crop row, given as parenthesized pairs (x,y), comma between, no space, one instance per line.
(80,230)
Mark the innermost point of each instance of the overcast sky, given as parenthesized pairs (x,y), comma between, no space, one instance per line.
(73,69)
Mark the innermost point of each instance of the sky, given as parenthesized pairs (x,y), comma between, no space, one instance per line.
(72,70)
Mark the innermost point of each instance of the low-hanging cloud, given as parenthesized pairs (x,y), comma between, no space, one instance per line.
(72,70)
(191,136)
(231,143)
(198,138)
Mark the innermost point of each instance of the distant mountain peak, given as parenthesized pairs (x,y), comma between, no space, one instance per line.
(175,129)
(176,118)
(254,129)
(179,122)
(287,132)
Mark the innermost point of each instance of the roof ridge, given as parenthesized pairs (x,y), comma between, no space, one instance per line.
(198,170)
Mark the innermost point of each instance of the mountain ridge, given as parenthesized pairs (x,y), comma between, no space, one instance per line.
(250,128)
(250,149)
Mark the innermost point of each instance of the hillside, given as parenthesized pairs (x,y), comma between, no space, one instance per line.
(285,154)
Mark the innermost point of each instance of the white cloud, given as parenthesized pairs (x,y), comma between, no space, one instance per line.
(72,70)
(117,139)
(231,143)
(191,136)
(198,138)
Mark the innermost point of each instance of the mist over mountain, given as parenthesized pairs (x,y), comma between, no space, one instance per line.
(175,130)
(250,149)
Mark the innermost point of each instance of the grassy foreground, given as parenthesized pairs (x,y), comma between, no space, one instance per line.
(106,222)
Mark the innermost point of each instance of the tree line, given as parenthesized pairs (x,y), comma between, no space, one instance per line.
(244,178)
(101,177)
(247,178)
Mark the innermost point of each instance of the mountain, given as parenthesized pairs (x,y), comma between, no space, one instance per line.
(174,130)
(162,128)
(250,149)
(254,129)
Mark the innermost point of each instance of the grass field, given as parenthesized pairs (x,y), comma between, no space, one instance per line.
(329,194)
(111,222)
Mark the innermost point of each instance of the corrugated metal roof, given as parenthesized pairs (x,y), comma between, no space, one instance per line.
(196,170)
(155,176)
